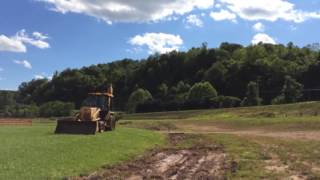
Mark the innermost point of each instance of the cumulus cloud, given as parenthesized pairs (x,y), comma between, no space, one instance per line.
(23,63)
(39,76)
(36,41)
(39,35)
(157,42)
(129,10)
(269,10)
(43,75)
(11,44)
(259,27)
(264,38)
(194,20)
(17,43)
(223,15)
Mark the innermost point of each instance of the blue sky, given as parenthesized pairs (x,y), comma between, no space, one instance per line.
(38,37)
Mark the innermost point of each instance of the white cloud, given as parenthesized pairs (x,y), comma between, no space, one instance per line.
(11,44)
(223,15)
(157,42)
(264,38)
(38,76)
(194,20)
(39,35)
(218,6)
(43,75)
(269,10)
(17,43)
(129,10)
(259,27)
(24,63)
(37,42)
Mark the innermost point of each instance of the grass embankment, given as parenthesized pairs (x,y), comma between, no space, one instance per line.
(36,153)
(301,116)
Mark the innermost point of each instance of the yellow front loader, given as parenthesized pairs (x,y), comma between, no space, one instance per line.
(94,116)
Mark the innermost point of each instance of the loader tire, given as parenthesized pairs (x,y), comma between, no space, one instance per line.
(111,124)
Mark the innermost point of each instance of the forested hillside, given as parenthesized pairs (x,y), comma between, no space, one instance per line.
(231,75)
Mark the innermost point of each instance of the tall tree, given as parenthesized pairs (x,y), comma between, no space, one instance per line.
(202,91)
(253,95)
(292,90)
(138,97)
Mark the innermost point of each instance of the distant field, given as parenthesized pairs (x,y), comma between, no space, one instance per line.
(34,152)
(301,116)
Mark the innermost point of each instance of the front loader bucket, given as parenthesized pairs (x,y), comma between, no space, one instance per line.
(76,127)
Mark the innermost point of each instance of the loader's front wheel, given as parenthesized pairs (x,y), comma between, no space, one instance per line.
(111,124)
(113,120)
(102,126)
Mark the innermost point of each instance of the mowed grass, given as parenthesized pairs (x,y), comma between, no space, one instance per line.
(36,153)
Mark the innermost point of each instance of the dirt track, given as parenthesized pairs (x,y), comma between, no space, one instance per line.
(14,121)
(199,162)
(295,135)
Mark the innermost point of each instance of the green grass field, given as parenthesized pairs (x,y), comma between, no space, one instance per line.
(262,152)
(36,153)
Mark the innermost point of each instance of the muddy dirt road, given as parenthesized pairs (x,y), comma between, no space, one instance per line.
(198,162)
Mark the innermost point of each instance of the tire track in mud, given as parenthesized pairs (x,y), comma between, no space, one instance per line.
(198,162)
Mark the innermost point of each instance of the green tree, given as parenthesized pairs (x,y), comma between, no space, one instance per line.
(6,99)
(162,91)
(229,67)
(253,95)
(138,97)
(216,74)
(56,109)
(182,87)
(180,94)
(292,90)
(202,91)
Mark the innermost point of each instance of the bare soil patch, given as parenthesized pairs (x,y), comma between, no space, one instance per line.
(14,121)
(197,162)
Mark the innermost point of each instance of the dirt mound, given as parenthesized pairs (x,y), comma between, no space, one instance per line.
(176,138)
(203,162)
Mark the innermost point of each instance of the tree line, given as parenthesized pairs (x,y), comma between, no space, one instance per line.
(227,76)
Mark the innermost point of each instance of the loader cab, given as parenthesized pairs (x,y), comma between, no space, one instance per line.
(101,102)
